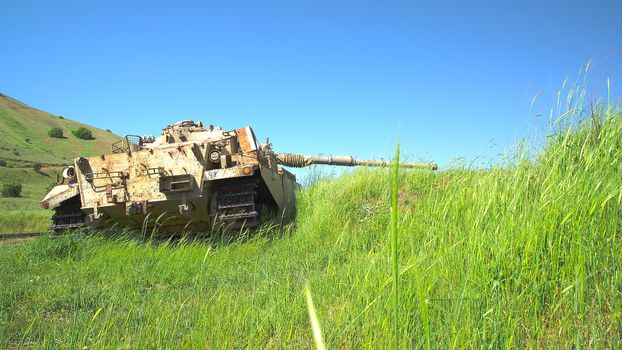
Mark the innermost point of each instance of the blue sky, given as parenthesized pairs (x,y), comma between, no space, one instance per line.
(333,77)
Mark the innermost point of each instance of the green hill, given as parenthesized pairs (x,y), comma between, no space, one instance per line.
(525,254)
(24,141)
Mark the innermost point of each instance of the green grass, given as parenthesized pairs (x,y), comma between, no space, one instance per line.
(523,254)
(16,221)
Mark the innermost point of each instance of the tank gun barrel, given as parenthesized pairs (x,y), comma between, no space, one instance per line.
(301,161)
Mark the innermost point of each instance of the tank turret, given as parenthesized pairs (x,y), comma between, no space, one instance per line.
(192,177)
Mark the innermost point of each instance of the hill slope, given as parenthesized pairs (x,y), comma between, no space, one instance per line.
(24,141)
(23,129)
(522,255)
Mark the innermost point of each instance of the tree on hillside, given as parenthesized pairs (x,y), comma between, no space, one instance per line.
(56,133)
(83,133)
(13,189)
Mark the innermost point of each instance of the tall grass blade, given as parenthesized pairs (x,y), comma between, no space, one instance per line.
(315,323)
(394,237)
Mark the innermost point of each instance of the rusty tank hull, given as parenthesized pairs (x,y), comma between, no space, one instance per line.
(192,178)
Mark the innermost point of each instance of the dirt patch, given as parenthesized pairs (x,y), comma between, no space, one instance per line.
(443,182)
(407,201)
(17,240)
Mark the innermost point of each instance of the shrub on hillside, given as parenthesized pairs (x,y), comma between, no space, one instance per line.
(108,130)
(83,133)
(36,167)
(13,189)
(56,133)
(3,163)
(61,117)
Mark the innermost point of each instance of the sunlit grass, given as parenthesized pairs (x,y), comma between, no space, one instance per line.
(315,323)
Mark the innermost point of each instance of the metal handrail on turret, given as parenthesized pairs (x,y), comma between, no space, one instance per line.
(128,144)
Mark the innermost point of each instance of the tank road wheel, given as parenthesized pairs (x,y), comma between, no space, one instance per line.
(237,205)
(68,215)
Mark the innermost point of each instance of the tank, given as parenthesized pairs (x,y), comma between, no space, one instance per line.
(192,178)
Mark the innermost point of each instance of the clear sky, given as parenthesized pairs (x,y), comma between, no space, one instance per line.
(333,77)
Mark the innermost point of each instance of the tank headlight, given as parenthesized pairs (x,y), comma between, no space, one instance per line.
(69,172)
(214,156)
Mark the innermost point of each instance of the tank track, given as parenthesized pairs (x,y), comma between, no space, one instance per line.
(237,205)
(68,215)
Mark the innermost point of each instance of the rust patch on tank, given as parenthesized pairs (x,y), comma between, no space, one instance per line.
(246,139)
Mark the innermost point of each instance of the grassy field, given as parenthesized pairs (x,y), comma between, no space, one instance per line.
(16,221)
(524,254)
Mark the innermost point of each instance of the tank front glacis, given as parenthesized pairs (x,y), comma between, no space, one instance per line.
(184,179)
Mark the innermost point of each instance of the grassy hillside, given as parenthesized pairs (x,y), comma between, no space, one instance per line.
(24,141)
(23,129)
(526,254)
(35,186)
